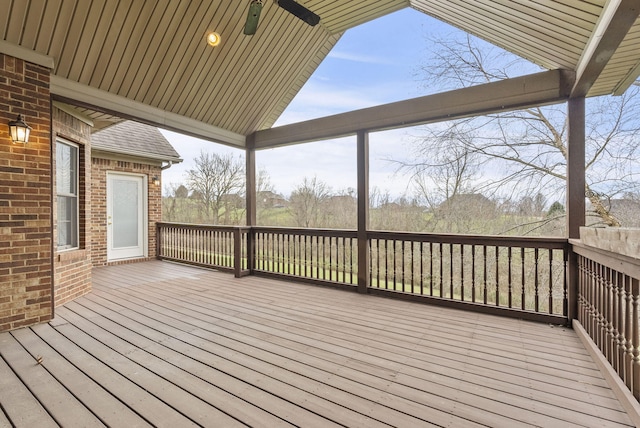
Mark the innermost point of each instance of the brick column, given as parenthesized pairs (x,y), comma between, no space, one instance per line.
(26,284)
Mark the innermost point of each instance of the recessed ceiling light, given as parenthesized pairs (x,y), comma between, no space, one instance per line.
(213,38)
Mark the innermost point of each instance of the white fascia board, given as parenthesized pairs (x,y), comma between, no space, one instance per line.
(90,97)
(25,54)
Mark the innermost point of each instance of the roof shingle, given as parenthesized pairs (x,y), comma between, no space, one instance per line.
(136,139)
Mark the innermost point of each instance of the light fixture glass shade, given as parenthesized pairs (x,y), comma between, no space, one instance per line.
(213,39)
(19,130)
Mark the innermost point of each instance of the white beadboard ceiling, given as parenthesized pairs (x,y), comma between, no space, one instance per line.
(148,59)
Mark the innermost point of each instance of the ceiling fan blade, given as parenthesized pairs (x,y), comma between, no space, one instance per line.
(251,24)
(298,10)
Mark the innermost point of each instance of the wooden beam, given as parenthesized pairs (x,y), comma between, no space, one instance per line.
(536,89)
(85,96)
(616,19)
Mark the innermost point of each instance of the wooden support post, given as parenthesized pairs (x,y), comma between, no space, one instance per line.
(237,252)
(576,168)
(158,241)
(576,216)
(363,210)
(251,204)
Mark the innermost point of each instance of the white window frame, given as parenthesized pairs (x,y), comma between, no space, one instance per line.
(75,241)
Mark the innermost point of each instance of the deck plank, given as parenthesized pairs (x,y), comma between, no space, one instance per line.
(18,404)
(110,410)
(63,407)
(242,362)
(173,345)
(567,413)
(202,378)
(347,340)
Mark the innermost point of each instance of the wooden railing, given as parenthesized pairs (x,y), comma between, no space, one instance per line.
(516,273)
(220,247)
(319,255)
(522,277)
(608,299)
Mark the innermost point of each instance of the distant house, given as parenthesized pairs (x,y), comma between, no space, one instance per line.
(469,203)
(269,199)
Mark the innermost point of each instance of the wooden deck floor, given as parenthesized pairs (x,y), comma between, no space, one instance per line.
(167,345)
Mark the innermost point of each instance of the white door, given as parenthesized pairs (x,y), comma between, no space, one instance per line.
(126,216)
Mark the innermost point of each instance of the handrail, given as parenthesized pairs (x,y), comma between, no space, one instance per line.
(524,276)
(505,241)
(609,308)
(219,247)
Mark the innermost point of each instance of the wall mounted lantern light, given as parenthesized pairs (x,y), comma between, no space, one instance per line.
(156,180)
(19,130)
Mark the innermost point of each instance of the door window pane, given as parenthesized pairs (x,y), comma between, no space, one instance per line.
(125,214)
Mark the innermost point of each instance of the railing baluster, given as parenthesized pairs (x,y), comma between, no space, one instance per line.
(421,261)
(536,281)
(451,294)
(484,273)
(473,273)
(617,322)
(635,338)
(551,281)
(523,301)
(497,250)
(431,268)
(402,267)
(462,272)
(510,280)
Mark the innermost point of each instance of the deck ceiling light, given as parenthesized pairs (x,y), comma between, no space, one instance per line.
(213,39)
(19,130)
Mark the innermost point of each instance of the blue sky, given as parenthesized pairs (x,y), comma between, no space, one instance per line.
(375,63)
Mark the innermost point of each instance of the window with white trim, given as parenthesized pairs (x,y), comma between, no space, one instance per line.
(67,166)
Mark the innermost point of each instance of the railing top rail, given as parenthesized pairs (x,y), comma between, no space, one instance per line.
(341,233)
(619,262)
(203,226)
(489,240)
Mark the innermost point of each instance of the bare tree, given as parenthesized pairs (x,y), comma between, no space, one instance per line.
(529,146)
(214,179)
(307,200)
(445,168)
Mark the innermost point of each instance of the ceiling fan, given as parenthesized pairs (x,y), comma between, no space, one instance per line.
(290,6)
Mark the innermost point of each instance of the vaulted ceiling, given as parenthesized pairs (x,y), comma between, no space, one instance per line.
(149,60)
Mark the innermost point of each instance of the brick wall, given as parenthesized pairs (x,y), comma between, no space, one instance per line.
(72,268)
(100,167)
(25,197)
